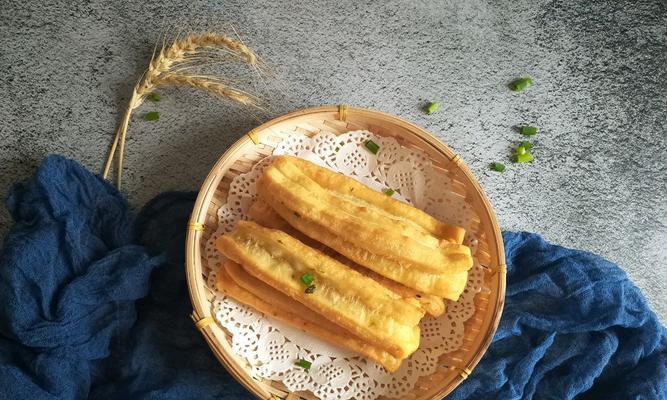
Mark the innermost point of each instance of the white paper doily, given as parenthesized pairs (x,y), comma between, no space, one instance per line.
(271,347)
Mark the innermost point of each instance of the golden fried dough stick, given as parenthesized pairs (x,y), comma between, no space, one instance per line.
(235,282)
(342,295)
(340,215)
(275,187)
(448,286)
(266,216)
(369,214)
(343,185)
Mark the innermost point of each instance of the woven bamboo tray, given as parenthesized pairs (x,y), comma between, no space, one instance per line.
(259,143)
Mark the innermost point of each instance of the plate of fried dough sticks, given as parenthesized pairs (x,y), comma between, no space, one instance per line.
(344,253)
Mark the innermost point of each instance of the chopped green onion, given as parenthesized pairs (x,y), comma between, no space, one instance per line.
(303,364)
(389,191)
(372,146)
(152,116)
(307,279)
(432,107)
(528,130)
(498,167)
(310,289)
(154,97)
(521,84)
(524,158)
(520,150)
(526,145)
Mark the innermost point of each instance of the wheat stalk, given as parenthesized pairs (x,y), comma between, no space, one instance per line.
(191,51)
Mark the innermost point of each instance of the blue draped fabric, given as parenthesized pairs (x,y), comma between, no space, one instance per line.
(95,305)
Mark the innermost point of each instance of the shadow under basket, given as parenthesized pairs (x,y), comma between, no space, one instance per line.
(259,143)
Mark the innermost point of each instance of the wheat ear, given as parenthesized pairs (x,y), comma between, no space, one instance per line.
(192,50)
(210,84)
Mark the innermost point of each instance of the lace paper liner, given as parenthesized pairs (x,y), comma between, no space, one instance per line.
(271,347)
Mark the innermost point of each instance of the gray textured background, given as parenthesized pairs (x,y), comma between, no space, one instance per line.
(599,180)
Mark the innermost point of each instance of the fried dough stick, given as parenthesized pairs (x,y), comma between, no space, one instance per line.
(342,295)
(345,186)
(448,286)
(266,216)
(241,286)
(283,183)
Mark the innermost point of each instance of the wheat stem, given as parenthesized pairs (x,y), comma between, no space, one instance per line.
(122,127)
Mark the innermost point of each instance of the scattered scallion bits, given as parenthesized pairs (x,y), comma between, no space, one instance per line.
(524,158)
(498,167)
(307,278)
(372,146)
(305,364)
(432,107)
(526,145)
(389,191)
(528,130)
(152,116)
(521,84)
(310,289)
(520,150)
(154,97)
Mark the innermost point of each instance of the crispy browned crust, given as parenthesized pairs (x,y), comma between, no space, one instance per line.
(369,310)
(431,304)
(341,184)
(283,184)
(448,286)
(264,215)
(238,284)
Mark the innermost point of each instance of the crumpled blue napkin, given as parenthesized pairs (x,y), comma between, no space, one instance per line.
(95,305)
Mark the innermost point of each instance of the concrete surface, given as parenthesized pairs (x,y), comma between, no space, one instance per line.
(599,180)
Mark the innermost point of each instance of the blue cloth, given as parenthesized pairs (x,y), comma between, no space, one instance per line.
(95,305)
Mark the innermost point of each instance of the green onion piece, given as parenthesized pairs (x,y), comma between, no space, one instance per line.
(521,84)
(154,97)
(310,289)
(389,191)
(526,145)
(372,146)
(520,150)
(432,107)
(152,116)
(307,279)
(528,130)
(498,167)
(524,158)
(303,364)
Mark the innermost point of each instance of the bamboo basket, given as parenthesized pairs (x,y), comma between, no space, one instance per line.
(259,143)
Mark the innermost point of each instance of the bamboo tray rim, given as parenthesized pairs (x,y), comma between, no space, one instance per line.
(201,314)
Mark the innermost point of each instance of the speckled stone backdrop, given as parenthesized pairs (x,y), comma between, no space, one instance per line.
(599,179)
